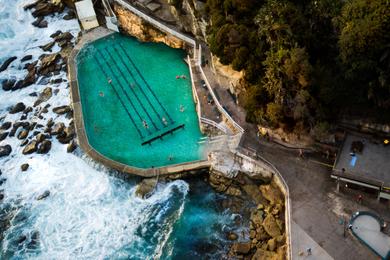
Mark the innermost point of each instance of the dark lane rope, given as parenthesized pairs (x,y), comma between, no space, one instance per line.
(139,85)
(120,100)
(132,90)
(121,86)
(147,84)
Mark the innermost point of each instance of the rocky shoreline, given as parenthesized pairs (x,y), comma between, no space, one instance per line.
(267,235)
(33,135)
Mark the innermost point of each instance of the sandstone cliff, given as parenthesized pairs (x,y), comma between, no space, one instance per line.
(135,26)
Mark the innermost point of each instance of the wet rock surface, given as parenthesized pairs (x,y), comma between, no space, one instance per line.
(5,150)
(266,225)
(30,147)
(44,96)
(44,195)
(19,107)
(7,84)
(145,187)
(24,167)
(7,62)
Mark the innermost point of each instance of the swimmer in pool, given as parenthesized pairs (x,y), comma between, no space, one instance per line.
(164,121)
(145,124)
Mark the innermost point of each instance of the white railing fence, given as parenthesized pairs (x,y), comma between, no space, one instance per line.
(220,108)
(194,92)
(156,23)
(287,192)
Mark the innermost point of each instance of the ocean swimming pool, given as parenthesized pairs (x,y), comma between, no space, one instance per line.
(136,110)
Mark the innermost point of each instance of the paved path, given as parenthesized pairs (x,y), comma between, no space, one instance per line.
(302,241)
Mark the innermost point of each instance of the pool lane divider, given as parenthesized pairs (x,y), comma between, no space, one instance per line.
(140,87)
(146,83)
(121,86)
(116,78)
(120,100)
(160,136)
(132,90)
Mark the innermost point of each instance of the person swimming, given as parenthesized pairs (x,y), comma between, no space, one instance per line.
(164,121)
(101,94)
(181,108)
(145,124)
(109,81)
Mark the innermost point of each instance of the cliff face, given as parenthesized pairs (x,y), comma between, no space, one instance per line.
(190,18)
(227,76)
(135,26)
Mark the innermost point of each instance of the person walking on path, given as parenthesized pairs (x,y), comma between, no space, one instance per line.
(360,199)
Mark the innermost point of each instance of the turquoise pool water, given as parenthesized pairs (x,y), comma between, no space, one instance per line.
(136,111)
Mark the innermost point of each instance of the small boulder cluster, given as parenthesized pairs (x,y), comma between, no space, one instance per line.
(267,237)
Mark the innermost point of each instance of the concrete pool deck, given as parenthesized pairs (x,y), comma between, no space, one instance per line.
(88,37)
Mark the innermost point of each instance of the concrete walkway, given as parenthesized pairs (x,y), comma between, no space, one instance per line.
(302,241)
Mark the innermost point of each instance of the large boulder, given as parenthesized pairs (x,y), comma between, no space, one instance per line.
(44,147)
(31,147)
(58,128)
(43,8)
(7,62)
(272,194)
(44,96)
(3,135)
(257,217)
(30,77)
(19,107)
(67,135)
(6,125)
(66,36)
(262,254)
(62,110)
(47,46)
(40,22)
(146,187)
(71,146)
(241,248)
(253,192)
(8,84)
(271,226)
(43,195)
(5,150)
(26,58)
(48,63)
(23,134)
(24,167)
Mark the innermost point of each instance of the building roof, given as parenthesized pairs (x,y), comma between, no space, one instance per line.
(372,163)
(85,9)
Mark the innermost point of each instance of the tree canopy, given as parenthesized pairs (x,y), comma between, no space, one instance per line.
(305,62)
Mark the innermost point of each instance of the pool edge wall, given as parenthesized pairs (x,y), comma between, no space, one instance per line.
(380,221)
(82,138)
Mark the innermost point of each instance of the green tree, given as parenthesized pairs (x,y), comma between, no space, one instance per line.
(364,43)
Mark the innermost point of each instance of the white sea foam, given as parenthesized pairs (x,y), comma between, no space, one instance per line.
(89,214)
